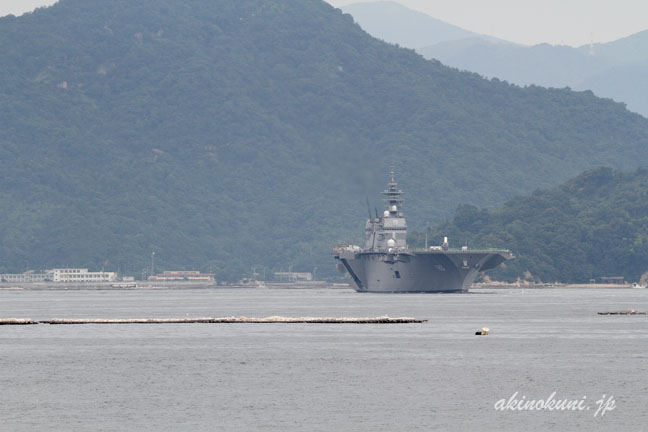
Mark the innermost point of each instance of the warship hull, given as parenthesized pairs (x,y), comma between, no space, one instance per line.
(417,272)
(387,265)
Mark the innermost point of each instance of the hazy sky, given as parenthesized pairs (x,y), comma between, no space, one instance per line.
(18,7)
(568,22)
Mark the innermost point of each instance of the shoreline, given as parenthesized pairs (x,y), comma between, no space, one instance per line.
(495,285)
(160,285)
(191,285)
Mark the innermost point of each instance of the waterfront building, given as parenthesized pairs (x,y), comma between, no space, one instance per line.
(616,280)
(23,277)
(179,275)
(80,275)
(294,276)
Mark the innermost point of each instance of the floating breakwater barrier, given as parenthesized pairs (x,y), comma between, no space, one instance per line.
(224,320)
(127,321)
(17,321)
(628,312)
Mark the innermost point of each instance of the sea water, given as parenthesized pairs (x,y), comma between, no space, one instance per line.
(543,344)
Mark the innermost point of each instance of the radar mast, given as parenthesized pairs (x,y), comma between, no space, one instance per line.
(393,196)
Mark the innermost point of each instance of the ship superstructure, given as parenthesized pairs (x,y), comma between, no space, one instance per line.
(386,264)
(388,233)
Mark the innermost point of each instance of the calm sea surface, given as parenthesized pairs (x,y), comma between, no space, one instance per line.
(322,377)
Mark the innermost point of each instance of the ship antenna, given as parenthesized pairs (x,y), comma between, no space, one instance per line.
(392,193)
(368,207)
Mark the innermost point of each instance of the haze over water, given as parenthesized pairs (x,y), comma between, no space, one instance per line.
(294,377)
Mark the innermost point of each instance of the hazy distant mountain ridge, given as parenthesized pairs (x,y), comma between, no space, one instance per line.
(627,50)
(617,70)
(398,24)
(521,65)
(224,135)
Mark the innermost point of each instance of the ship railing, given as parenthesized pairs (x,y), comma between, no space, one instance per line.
(460,250)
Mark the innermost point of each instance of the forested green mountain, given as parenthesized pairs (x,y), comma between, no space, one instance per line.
(594,225)
(226,135)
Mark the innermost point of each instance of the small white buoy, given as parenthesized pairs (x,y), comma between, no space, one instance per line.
(482,332)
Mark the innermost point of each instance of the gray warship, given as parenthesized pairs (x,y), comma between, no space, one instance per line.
(387,265)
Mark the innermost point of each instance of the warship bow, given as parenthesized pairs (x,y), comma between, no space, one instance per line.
(387,265)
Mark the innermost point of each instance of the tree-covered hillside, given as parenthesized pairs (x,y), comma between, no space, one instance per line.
(594,225)
(226,135)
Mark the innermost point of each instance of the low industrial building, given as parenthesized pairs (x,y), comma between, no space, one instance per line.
(23,277)
(616,280)
(59,275)
(80,275)
(179,275)
(294,276)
